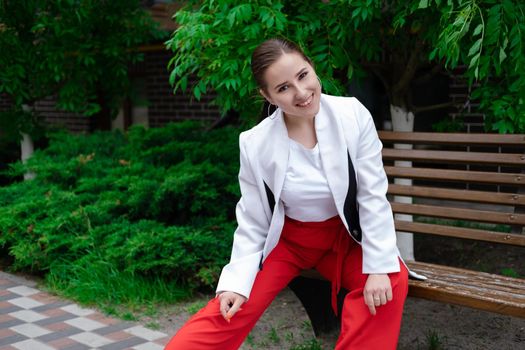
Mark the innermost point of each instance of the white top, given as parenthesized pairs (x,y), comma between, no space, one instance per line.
(306,195)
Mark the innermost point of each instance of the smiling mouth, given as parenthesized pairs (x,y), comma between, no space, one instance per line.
(306,103)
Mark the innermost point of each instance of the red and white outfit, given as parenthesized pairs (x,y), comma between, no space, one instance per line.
(337,220)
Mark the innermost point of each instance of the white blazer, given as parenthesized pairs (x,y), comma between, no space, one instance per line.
(350,149)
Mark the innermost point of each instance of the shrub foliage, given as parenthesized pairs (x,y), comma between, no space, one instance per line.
(155,203)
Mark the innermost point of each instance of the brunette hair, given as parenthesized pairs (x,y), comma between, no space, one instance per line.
(268,52)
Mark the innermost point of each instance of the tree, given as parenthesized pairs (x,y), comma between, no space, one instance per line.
(76,50)
(395,40)
(392,39)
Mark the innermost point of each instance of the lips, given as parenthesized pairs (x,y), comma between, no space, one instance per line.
(306,103)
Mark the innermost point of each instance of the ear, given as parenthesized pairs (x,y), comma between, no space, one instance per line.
(265,95)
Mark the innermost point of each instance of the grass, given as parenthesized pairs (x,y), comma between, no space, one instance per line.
(311,344)
(279,336)
(153,325)
(434,341)
(194,307)
(249,340)
(273,336)
(116,293)
(510,272)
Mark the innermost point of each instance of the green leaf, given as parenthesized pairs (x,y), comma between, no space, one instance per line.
(475,47)
(350,71)
(474,61)
(202,86)
(423,4)
(172,78)
(364,14)
(502,55)
(433,54)
(184,83)
(477,30)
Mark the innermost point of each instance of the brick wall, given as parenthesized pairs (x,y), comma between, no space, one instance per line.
(163,105)
(465,108)
(4,102)
(50,115)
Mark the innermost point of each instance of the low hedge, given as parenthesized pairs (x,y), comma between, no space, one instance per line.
(152,203)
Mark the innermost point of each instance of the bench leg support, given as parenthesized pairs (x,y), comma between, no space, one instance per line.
(315,296)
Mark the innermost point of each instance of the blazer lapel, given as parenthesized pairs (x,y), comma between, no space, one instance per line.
(334,154)
(274,155)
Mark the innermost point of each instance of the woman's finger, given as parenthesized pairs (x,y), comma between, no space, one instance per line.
(369,301)
(382,298)
(224,307)
(389,294)
(235,307)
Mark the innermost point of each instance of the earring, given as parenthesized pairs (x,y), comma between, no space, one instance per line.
(320,83)
(268,110)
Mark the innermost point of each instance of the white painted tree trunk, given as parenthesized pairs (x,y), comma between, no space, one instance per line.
(27,149)
(139,116)
(403,120)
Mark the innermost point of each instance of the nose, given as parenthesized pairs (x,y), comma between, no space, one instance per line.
(301,92)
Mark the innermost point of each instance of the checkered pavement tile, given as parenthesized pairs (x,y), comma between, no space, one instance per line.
(34,320)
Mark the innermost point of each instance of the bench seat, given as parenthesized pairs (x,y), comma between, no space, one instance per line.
(479,290)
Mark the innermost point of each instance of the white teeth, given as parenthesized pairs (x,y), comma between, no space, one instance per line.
(306,103)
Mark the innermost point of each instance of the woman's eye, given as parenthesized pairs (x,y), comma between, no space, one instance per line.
(282,88)
(302,75)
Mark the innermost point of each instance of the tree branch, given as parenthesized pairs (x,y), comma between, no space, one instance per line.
(383,79)
(424,78)
(432,107)
(410,69)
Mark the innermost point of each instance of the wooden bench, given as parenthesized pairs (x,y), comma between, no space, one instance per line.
(463,186)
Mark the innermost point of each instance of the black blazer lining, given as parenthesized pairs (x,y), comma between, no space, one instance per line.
(350,208)
(270,196)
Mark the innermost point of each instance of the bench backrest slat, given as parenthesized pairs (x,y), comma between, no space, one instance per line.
(461,232)
(452,138)
(459,213)
(453,194)
(455,157)
(456,175)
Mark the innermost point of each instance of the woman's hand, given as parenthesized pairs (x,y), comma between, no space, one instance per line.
(230,303)
(378,291)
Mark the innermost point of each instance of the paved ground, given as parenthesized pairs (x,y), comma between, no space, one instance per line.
(33,320)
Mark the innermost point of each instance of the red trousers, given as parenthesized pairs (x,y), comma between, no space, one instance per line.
(327,247)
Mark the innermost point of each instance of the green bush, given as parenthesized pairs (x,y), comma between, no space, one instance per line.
(154,204)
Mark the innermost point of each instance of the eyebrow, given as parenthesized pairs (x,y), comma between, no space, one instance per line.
(286,82)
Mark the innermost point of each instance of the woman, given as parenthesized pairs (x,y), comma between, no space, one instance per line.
(313,195)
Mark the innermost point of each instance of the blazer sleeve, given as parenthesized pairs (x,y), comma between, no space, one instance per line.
(380,253)
(249,237)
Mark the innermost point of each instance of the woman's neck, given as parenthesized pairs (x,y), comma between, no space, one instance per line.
(303,122)
(301,130)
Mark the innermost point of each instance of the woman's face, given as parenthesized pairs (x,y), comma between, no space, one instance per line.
(292,85)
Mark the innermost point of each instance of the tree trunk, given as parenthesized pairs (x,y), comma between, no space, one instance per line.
(27,149)
(101,120)
(403,120)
